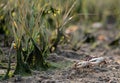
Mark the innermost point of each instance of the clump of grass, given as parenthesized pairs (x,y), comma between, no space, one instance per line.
(30,30)
(60,17)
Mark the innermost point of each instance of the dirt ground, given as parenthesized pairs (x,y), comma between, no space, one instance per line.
(64,59)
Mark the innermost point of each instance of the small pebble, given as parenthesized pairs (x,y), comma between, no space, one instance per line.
(18,78)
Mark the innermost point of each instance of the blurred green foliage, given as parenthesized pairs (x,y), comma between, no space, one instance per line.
(91,10)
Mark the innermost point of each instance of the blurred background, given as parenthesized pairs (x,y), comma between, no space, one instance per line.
(78,19)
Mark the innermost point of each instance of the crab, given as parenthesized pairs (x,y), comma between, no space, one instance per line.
(82,64)
(99,61)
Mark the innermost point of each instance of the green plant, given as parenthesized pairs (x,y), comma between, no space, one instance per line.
(27,27)
(4,24)
(61,16)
